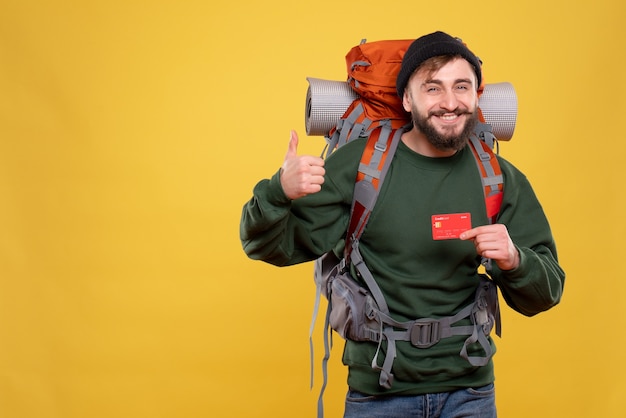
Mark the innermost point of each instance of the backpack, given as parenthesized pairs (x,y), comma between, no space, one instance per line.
(372,109)
(372,70)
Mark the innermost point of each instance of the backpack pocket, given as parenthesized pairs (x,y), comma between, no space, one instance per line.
(353,311)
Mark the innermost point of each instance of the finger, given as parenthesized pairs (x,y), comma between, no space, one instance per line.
(478,232)
(313,163)
(469,234)
(292,150)
(316,179)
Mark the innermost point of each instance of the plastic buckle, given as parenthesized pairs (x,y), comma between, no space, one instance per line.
(380,146)
(481,317)
(425,333)
(342,267)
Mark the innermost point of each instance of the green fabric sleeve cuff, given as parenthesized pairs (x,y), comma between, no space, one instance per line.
(521,270)
(275,192)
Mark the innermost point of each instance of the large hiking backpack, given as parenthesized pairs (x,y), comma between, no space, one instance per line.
(367,105)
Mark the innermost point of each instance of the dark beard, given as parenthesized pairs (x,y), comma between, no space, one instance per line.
(445,142)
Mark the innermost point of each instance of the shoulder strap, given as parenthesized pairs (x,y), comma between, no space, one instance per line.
(493,182)
(375,161)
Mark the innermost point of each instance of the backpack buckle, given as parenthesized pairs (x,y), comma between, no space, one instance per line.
(425,333)
(481,317)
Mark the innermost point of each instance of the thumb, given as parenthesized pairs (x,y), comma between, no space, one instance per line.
(292,151)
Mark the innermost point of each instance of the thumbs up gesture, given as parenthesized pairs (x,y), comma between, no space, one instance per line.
(300,175)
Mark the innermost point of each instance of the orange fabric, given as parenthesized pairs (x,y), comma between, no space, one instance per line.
(358,211)
(372,70)
(493,201)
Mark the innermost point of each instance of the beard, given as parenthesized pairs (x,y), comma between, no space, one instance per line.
(445,141)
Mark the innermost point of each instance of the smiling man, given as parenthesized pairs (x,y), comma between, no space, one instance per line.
(302,212)
(441,96)
(447,107)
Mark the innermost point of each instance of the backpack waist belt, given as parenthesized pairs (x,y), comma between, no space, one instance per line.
(426,332)
(484,314)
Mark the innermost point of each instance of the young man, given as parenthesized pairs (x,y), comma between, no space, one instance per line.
(303,210)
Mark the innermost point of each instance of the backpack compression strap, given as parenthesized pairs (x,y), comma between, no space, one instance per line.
(356,123)
(351,126)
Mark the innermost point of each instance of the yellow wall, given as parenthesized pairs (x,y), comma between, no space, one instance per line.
(131,132)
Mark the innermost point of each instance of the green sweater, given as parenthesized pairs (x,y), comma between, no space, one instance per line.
(419,277)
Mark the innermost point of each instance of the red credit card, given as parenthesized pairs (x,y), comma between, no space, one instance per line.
(450,225)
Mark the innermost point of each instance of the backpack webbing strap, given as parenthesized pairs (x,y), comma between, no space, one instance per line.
(489,169)
(493,183)
(386,377)
(375,161)
(486,305)
(373,167)
(426,332)
(349,127)
(381,144)
(328,342)
(324,266)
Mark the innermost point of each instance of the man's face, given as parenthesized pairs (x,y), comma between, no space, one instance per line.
(443,104)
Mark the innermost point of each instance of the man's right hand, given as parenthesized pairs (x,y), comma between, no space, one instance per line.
(300,175)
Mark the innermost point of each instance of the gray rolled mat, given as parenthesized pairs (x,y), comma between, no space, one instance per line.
(327,100)
(498,104)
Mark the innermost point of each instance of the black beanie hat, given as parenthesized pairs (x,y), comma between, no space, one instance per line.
(432,45)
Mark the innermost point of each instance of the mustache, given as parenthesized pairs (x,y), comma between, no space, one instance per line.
(457,112)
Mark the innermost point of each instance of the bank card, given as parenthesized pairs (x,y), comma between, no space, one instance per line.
(450,225)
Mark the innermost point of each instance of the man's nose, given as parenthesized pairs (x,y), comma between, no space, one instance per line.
(449,101)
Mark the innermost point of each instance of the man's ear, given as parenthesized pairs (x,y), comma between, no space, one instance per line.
(406,101)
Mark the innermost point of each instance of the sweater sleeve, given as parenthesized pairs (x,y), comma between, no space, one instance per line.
(262,220)
(283,232)
(537,283)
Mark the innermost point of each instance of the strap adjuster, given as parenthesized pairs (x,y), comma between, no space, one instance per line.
(425,333)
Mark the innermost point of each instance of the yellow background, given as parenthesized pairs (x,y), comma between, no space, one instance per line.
(132,132)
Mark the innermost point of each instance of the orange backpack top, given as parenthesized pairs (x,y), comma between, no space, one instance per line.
(372,69)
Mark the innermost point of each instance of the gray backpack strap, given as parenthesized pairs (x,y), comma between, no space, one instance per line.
(348,129)
(491,180)
(484,317)
(492,183)
(328,343)
(324,267)
(366,195)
